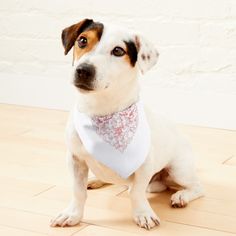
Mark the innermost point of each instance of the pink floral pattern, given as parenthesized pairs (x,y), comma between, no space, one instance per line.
(117,129)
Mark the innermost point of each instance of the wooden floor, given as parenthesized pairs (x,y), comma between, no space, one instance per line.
(35,184)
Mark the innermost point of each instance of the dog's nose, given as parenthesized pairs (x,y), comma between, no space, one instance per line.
(85,72)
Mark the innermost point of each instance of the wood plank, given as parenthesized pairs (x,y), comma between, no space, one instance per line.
(32,145)
(33,222)
(231,161)
(9,231)
(211,145)
(205,208)
(13,186)
(122,220)
(166,228)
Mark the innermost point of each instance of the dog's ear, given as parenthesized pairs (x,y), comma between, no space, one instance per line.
(147,54)
(70,34)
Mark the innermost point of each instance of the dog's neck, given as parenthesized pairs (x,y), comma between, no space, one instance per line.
(108,101)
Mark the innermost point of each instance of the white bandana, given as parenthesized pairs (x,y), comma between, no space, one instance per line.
(120,141)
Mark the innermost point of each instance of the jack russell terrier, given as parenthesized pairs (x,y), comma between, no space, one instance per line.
(110,131)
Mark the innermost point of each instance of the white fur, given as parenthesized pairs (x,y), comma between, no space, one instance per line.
(116,87)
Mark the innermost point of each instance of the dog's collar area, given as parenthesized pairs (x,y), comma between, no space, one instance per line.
(114,113)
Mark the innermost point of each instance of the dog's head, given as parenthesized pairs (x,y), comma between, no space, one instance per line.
(106,56)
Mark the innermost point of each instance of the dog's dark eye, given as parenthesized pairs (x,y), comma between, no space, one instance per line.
(82,42)
(118,52)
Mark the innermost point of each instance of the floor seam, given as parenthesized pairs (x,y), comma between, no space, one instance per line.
(227,159)
(201,227)
(45,190)
(22,229)
(83,227)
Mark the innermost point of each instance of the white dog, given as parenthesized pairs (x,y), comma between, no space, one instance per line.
(111,133)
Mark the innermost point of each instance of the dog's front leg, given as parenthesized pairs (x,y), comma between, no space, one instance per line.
(143,214)
(74,212)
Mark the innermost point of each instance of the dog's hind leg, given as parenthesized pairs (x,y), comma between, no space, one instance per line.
(183,173)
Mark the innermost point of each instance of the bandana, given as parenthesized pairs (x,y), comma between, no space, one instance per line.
(120,141)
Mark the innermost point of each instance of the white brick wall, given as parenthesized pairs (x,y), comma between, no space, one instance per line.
(196,40)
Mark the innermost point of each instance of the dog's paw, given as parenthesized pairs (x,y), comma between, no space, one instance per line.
(66,218)
(95,183)
(179,199)
(146,219)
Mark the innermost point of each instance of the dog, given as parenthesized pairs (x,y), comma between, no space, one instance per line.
(110,132)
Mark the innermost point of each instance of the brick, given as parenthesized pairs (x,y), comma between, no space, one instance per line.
(32,50)
(178,59)
(170,33)
(47,7)
(196,39)
(192,9)
(31,26)
(212,60)
(221,34)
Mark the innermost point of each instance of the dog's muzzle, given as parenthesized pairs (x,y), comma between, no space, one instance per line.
(84,76)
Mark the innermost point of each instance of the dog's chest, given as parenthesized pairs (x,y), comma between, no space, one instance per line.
(104,173)
(120,141)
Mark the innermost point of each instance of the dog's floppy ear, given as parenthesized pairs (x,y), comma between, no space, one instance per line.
(147,54)
(70,34)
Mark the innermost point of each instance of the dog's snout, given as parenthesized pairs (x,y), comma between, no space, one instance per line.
(85,72)
(84,76)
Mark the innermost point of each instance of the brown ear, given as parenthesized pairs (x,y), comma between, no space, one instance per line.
(70,34)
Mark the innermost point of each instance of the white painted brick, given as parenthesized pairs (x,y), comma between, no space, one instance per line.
(9,5)
(213,60)
(170,33)
(32,50)
(221,34)
(195,9)
(5,66)
(178,59)
(30,26)
(57,8)
(215,82)
(182,8)
(232,8)
(27,68)
(196,38)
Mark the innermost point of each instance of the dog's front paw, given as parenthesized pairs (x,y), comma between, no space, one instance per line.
(68,217)
(179,199)
(146,219)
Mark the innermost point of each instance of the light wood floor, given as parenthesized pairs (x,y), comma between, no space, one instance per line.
(34,183)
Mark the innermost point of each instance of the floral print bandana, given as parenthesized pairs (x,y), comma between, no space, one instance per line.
(120,141)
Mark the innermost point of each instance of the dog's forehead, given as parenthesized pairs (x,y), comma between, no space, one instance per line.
(115,34)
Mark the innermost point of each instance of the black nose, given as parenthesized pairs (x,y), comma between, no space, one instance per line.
(85,73)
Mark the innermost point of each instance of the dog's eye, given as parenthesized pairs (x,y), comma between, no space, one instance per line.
(82,42)
(118,52)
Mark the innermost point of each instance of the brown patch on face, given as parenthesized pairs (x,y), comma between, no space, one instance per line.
(126,58)
(148,57)
(70,34)
(131,53)
(92,39)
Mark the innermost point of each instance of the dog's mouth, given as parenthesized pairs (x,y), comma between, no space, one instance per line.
(83,86)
